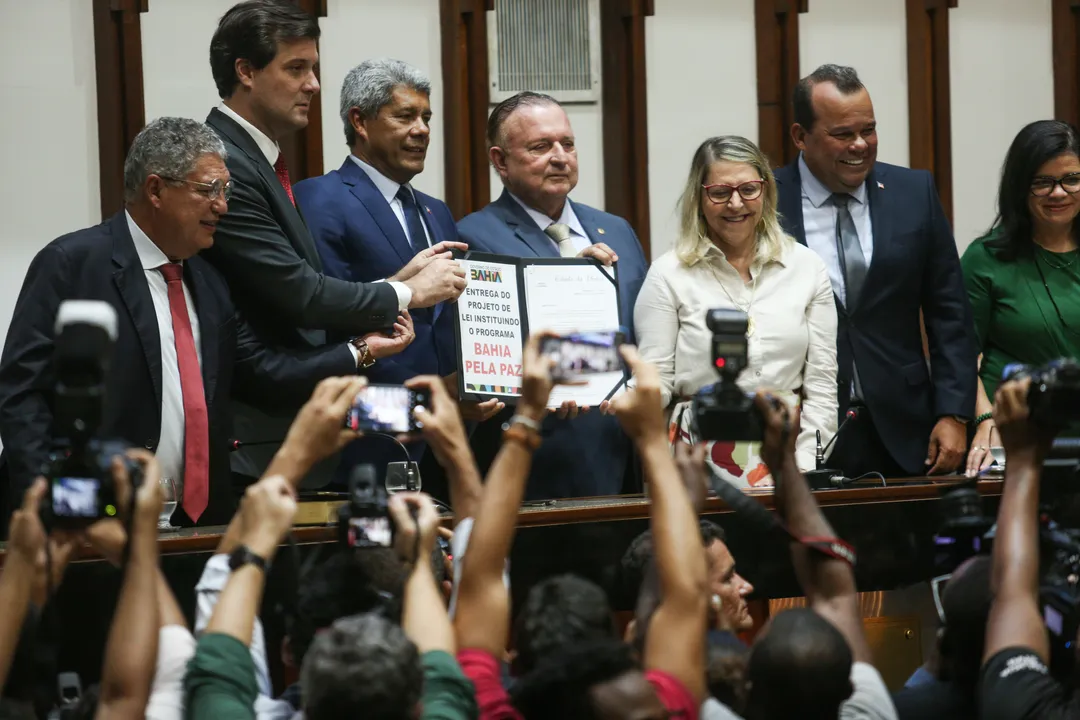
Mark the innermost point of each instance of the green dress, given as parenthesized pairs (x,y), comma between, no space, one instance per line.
(1015,318)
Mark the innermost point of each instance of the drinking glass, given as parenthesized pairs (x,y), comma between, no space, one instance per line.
(168,506)
(999,455)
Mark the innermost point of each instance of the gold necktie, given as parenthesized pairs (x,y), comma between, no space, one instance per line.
(560,233)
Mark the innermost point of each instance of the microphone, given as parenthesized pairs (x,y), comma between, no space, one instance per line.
(821,478)
(235,444)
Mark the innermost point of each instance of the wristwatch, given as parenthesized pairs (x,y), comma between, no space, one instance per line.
(364,358)
(243,555)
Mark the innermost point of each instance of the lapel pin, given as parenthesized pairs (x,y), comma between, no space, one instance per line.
(600,230)
(880,185)
(428,209)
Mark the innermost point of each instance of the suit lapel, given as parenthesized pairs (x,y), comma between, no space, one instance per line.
(364,190)
(240,138)
(524,227)
(209,322)
(130,280)
(880,223)
(789,202)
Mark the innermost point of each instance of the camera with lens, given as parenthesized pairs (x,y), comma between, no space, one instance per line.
(723,411)
(966,531)
(79,472)
(1054,396)
(364,520)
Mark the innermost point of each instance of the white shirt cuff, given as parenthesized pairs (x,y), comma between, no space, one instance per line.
(404,294)
(355,353)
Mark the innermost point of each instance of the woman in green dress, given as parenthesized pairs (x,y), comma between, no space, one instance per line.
(1023,276)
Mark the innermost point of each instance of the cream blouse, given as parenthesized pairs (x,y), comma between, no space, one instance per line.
(793,345)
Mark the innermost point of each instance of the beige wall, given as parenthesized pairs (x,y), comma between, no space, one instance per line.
(1002,79)
(702,82)
(871,37)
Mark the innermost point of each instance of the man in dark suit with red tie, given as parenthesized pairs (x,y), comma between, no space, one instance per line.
(181,348)
(263,57)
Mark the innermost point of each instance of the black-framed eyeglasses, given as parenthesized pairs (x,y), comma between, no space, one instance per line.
(1045,185)
(721,194)
(211,191)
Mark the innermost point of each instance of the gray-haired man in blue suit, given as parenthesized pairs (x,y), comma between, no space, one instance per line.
(532,148)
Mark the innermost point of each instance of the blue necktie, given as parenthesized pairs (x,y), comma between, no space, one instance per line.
(413,221)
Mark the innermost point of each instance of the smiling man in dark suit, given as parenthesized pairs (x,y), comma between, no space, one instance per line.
(532,148)
(368,222)
(181,349)
(264,56)
(890,252)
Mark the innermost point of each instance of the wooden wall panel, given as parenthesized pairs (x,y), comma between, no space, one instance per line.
(120,109)
(1066,34)
(776,24)
(929,93)
(625,112)
(466,101)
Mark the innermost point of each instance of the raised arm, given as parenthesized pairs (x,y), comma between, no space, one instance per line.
(482,616)
(445,434)
(26,539)
(131,650)
(675,643)
(828,582)
(318,430)
(1015,620)
(424,618)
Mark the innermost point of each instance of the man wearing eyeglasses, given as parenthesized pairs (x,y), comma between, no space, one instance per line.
(890,253)
(532,149)
(180,349)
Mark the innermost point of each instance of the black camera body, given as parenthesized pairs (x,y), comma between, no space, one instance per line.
(364,521)
(966,531)
(79,472)
(723,411)
(1054,396)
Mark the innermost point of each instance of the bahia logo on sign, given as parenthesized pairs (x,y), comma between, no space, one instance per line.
(486,275)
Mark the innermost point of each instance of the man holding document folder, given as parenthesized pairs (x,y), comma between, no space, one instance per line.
(532,148)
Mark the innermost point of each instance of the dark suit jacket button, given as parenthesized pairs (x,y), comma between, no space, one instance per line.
(149,444)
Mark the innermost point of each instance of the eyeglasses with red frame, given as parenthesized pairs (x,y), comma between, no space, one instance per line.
(719,194)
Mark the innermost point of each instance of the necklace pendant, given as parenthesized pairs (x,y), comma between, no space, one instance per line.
(750,327)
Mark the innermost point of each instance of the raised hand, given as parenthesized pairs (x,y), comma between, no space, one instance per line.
(640,410)
(414,539)
(266,514)
(423,258)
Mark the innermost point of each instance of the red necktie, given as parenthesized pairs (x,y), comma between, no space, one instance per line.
(196,423)
(283,176)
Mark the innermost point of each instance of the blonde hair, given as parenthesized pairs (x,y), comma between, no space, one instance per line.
(693,242)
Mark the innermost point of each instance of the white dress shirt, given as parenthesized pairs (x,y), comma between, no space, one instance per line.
(269,148)
(793,344)
(389,189)
(578,236)
(170,449)
(819,224)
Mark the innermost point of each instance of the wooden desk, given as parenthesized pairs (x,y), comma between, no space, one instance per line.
(579,511)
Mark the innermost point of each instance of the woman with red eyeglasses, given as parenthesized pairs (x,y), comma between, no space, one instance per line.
(732,253)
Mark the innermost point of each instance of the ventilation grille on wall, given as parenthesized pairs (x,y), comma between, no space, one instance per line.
(548,46)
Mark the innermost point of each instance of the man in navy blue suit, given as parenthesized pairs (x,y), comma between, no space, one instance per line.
(890,252)
(368,221)
(532,148)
